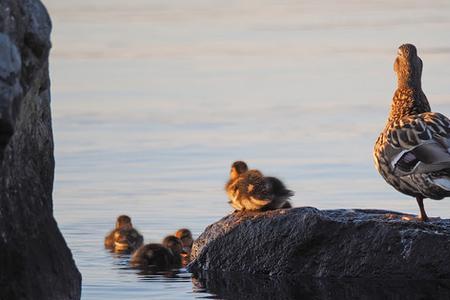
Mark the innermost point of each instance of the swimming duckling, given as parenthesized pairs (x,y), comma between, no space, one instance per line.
(152,256)
(175,246)
(251,190)
(412,152)
(123,237)
(159,256)
(124,240)
(186,239)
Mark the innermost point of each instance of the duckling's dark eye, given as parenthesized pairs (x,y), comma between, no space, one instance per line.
(407,162)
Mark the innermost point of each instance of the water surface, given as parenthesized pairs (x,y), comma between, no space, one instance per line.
(153,100)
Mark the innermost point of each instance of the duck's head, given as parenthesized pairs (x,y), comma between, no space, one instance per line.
(238,168)
(123,221)
(408,67)
(126,239)
(185,237)
(174,245)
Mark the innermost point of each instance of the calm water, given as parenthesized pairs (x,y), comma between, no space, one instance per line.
(153,100)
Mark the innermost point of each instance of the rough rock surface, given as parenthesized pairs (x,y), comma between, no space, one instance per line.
(35,262)
(308,242)
(236,286)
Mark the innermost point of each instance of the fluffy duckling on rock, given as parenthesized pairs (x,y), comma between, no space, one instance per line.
(186,239)
(251,190)
(412,153)
(163,256)
(123,238)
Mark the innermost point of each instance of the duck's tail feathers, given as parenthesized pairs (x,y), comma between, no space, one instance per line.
(279,188)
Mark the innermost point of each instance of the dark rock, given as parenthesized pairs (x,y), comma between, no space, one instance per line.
(235,286)
(308,242)
(35,261)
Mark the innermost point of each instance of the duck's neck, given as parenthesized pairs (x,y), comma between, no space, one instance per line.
(408,100)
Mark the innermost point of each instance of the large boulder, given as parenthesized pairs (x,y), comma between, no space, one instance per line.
(35,262)
(236,286)
(291,243)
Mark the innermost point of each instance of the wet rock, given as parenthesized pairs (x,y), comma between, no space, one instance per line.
(235,286)
(35,261)
(325,244)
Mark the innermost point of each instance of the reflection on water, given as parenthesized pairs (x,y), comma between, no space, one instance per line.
(171,284)
(247,287)
(153,99)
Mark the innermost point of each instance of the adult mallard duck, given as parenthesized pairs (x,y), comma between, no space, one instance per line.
(251,190)
(412,152)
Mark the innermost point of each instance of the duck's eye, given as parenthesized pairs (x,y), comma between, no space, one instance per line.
(407,162)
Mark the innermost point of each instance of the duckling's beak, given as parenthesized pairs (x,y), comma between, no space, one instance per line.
(118,246)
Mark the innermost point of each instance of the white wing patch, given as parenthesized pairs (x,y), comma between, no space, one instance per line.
(443,183)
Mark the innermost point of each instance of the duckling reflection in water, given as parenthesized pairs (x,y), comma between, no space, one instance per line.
(251,190)
(186,239)
(158,257)
(123,238)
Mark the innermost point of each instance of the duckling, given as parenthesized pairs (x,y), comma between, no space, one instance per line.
(412,152)
(123,238)
(186,239)
(175,247)
(251,190)
(152,256)
(159,256)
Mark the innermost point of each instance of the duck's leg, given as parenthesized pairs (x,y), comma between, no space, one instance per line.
(423,215)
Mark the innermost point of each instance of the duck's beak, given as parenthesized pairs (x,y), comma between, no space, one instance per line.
(118,246)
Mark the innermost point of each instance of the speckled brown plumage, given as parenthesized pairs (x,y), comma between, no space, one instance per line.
(412,152)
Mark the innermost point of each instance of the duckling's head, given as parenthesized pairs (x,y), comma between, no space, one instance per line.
(408,67)
(185,237)
(123,221)
(173,243)
(126,239)
(238,168)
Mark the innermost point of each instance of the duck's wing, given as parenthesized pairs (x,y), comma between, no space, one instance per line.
(277,188)
(136,238)
(253,188)
(418,144)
